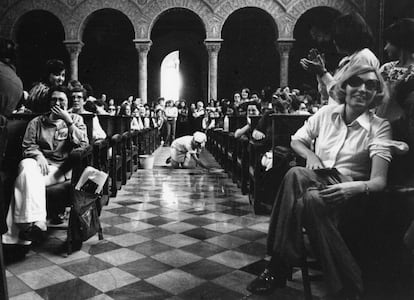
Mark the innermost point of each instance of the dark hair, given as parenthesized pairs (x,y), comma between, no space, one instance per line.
(74,83)
(122,111)
(90,106)
(7,51)
(400,34)
(78,89)
(247,90)
(58,88)
(54,66)
(267,93)
(351,33)
(89,89)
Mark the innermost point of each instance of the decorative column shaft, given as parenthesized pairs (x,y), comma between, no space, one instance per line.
(143,47)
(74,48)
(213,48)
(284,47)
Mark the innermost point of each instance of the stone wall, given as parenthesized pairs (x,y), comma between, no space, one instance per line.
(144,13)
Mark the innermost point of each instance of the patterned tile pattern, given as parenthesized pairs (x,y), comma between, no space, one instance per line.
(169,234)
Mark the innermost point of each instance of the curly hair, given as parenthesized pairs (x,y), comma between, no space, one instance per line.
(340,87)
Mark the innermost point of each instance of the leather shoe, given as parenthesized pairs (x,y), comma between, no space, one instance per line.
(266,283)
(32,233)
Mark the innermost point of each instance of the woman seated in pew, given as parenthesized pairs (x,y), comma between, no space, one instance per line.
(48,140)
(280,105)
(136,121)
(252,110)
(350,160)
(209,120)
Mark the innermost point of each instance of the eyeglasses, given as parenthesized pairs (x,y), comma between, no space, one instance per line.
(370,84)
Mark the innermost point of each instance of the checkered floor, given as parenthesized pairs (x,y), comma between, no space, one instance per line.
(169,234)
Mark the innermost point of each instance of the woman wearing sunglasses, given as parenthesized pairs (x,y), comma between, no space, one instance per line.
(349,162)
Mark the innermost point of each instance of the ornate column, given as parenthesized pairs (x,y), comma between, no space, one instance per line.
(284,47)
(74,48)
(143,47)
(213,48)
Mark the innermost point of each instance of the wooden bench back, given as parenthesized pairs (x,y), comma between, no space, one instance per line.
(236,122)
(284,126)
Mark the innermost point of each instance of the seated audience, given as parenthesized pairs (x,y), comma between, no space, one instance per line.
(48,140)
(350,160)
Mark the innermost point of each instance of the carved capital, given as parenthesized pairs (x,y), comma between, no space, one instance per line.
(143,46)
(74,47)
(284,46)
(213,46)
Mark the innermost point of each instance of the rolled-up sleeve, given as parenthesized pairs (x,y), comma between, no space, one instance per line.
(309,131)
(380,145)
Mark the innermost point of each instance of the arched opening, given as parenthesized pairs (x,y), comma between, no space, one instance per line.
(170,76)
(248,56)
(179,30)
(312,30)
(39,36)
(109,60)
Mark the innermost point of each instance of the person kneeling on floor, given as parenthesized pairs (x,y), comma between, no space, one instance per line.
(185,151)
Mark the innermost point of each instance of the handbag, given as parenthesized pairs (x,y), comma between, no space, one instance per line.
(84,217)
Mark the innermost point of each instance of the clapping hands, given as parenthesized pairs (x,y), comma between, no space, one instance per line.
(315,63)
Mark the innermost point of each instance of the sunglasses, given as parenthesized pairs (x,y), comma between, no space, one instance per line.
(370,84)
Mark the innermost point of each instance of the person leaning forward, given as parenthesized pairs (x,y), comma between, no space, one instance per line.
(186,149)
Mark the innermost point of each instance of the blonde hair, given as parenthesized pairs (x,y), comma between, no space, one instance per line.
(340,86)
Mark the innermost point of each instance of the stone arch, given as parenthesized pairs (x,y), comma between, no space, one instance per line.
(273,8)
(297,8)
(10,19)
(82,13)
(154,10)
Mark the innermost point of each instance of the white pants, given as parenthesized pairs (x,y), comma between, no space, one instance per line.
(28,203)
(182,160)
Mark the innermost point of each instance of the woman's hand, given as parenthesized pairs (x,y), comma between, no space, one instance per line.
(337,194)
(313,162)
(62,114)
(316,66)
(43,165)
(258,135)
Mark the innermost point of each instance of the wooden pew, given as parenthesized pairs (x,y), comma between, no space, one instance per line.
(100,154)
(263,189)
(115,159)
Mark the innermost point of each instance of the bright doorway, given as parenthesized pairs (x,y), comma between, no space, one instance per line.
(170,76)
